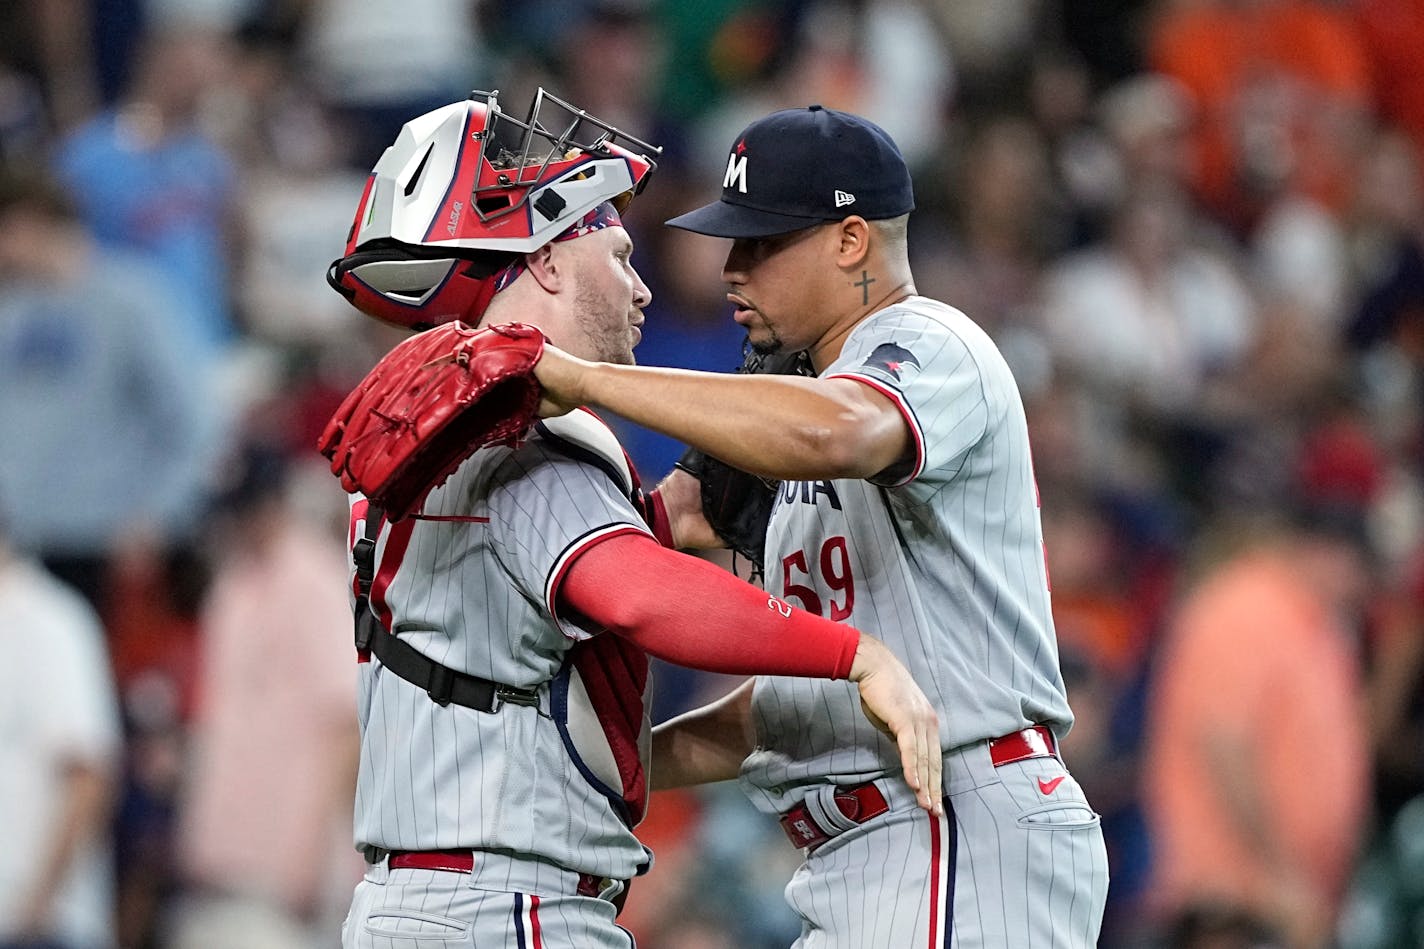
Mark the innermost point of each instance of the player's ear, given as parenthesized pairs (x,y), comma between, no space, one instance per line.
(854,236)
(546,268)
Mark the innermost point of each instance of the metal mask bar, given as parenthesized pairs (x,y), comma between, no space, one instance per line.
(528,171)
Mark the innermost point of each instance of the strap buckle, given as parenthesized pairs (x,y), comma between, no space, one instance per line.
(441,684)
(364,556)
(509,695)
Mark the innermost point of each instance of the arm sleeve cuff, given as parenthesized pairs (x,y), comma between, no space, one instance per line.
(658,518)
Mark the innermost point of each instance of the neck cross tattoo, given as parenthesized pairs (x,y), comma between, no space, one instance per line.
(864,283)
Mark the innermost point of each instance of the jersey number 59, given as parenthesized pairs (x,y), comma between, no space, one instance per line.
(835,573)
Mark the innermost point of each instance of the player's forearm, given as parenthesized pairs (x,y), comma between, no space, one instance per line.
(706,744)
(785,427)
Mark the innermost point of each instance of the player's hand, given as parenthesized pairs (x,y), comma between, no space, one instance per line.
(682,497)
(561,377)
(896,705)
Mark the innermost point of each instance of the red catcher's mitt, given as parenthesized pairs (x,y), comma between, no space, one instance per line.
(429,404)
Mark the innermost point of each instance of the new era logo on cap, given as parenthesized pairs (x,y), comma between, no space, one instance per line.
(795,168)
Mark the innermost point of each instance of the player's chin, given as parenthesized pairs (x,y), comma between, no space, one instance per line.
(764,341)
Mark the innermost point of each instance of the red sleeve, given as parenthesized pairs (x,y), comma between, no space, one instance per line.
(692,613)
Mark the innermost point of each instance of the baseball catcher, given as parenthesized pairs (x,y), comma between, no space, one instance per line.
(424,254)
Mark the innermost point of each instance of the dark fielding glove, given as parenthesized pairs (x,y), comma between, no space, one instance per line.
(737,504)
(430,403)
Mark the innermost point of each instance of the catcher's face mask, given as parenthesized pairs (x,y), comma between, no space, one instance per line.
(465,190)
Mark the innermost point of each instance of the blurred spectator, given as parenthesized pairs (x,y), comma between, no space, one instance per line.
(1257,777)
(1393,33)
(59,744)
(1282,92)
(1397,695)
(884,59)
(264,831)
(1106,33)
(818,62)
(1102,622)
(1388,246)
(985,257)
(1104,746)
(1094,612)
(1086,171)
(296,198)
(50,43)
(1300,253)
(1146,118)
(993,45)
(104,413)
(153,645)
(111,429)
(610,61)
(376,63)
(147,176)
(911,73)
(1153,317)
(719,45)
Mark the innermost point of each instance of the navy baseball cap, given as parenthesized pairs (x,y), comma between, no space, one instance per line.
(800,167)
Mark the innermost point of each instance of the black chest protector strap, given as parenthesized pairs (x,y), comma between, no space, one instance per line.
(443,684)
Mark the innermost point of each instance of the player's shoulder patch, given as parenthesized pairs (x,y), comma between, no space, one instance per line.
(582,435)
(891,360)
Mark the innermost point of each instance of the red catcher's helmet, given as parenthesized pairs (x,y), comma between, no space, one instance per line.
(466,190)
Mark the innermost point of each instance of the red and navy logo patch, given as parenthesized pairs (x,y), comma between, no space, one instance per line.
(891,358)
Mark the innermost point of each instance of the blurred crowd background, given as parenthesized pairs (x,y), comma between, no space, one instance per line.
(1194,227)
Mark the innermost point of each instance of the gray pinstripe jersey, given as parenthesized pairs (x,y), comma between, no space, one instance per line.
(944,562)
(469,582)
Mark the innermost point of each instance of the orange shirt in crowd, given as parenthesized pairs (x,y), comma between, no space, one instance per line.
(1254,654)
(1272,81)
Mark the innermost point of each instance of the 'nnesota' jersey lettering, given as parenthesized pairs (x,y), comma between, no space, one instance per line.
(470,582)
(941,557)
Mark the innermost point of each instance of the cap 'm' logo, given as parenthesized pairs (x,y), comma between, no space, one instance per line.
(736,172)
(843,198)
